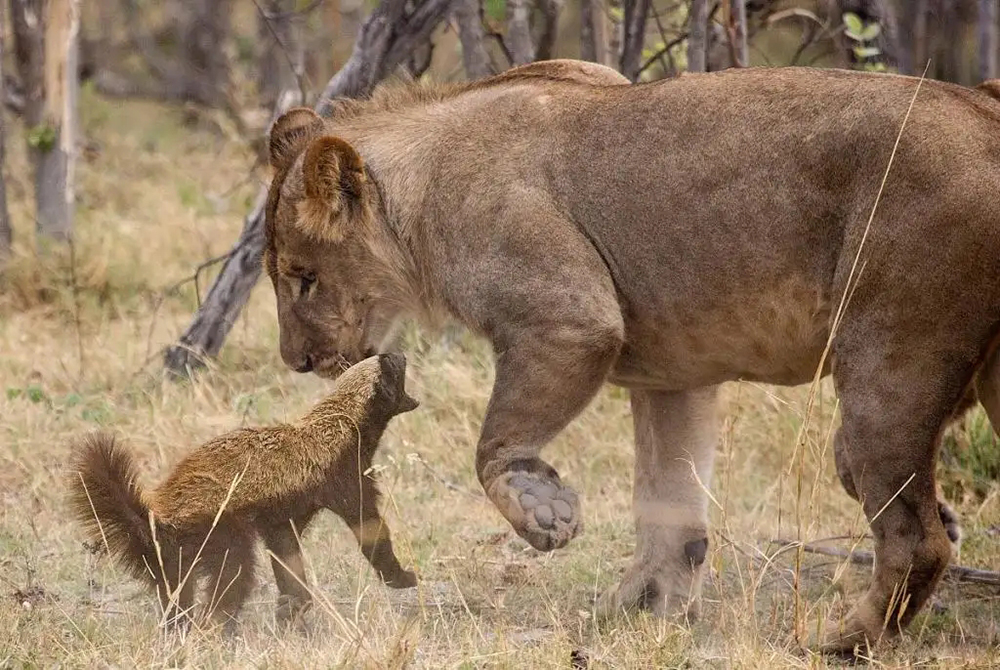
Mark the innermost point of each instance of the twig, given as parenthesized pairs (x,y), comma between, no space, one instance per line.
(76,304)
(665,50)
(954,573)
(448,484)
(172,289)
(281,16)
(295,67)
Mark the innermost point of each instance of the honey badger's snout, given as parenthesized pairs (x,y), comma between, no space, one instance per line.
(393,368)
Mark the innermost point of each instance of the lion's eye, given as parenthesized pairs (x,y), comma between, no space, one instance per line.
(307,281)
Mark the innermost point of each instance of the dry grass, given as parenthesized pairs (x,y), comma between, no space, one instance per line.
(156,200)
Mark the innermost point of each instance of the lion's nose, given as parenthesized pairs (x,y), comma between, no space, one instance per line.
(307,366)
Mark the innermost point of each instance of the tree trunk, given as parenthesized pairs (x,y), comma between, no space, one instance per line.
(519,32)
(468,15)
(205,68)
(282,56)
(738,32)
(920,45)
(550,29)
(45,39)
(593,32)
(697,46)
(636,12)
(385,40)
(989,39)
(6,233)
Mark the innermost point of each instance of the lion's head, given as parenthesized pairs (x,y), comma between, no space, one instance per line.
(326,252)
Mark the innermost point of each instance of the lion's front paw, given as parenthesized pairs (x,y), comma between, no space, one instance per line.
(540,509)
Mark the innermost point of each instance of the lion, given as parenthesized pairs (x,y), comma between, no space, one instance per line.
(666,237)
(203,521)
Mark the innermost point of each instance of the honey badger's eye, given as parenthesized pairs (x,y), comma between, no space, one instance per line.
(307,281)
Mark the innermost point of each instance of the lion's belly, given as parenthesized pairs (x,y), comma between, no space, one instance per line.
(774,336)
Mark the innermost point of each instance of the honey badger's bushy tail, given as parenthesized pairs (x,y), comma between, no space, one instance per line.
(106,499)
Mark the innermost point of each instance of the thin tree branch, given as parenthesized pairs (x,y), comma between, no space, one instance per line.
(955,573)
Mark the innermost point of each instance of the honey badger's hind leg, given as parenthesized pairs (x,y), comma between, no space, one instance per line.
(175,593)
(282,540)
(372,534)
(228,562)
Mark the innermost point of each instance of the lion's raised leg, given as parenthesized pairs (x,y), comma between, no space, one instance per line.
(541,384)
(675,438)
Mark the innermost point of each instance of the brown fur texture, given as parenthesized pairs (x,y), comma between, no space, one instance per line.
(203,521)
(669,237)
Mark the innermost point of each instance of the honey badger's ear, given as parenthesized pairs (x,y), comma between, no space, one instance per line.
(290,133)
(333,176)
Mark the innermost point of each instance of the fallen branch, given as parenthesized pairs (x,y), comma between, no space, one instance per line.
(954,573)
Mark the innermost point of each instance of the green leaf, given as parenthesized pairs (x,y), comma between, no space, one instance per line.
(42,137)
(36,394)
(617,14)
(866,52)
(853,23)
(871,32)
(72,399)
(13,393)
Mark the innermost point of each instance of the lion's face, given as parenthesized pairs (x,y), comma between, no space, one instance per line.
(335,304)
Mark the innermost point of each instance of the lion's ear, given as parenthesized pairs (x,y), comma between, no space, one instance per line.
(333,176)
(290,133)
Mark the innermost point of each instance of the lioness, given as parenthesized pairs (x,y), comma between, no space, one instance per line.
(666,237)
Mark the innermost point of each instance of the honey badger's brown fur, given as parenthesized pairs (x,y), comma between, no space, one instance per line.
(284,474)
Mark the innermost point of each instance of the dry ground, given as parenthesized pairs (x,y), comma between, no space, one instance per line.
(156,198)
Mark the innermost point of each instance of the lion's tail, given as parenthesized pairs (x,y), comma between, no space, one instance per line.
(107,500)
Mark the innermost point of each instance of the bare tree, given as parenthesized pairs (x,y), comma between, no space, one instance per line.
(469,16)
(518,40)
(281,59)
(385,40)
(697,46)
(593,32)
(738,32)
(198,70)
(989,39)
(6,233)
(203,33)
(546,41)
(45,38)
(634,37)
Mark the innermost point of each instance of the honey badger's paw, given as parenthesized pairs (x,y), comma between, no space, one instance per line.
(538,507)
